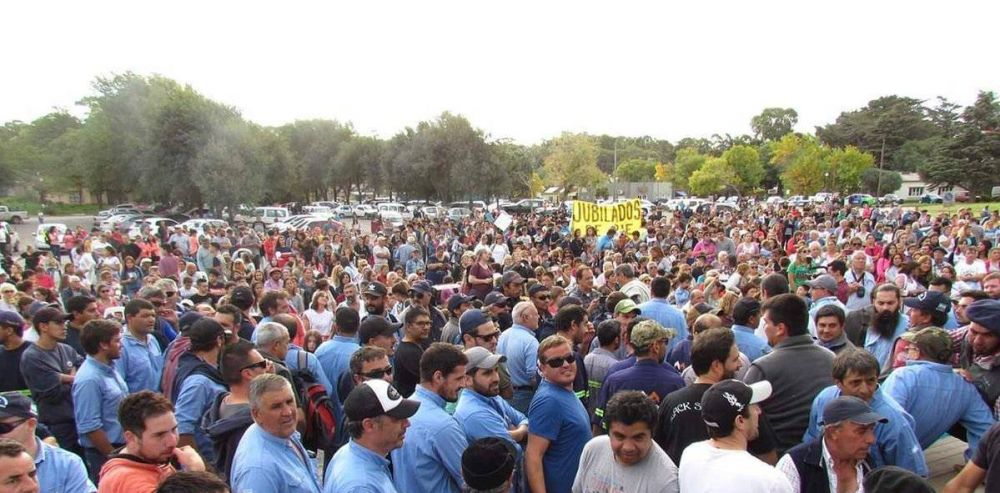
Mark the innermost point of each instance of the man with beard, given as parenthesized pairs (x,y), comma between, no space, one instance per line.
(374,294)
(431,457)
(886,325)
(980,354)
(991,284)
(150,446)
(627,457)
(97,391)
(855,373)
(481,410)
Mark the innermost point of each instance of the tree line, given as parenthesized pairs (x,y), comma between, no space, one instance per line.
(150,138)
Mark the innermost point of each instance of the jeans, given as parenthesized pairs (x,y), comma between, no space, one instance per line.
(522,399)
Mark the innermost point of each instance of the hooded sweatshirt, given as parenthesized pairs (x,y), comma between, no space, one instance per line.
(225,433)
(131,474)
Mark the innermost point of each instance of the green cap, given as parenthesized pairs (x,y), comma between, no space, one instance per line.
(933,342)
(627,306)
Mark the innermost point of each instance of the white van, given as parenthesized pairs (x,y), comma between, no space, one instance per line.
(394,207)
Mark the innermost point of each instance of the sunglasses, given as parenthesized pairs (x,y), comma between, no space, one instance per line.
(489,337)
(376,374)
(6,428)
(157,304)
(543,297)
(262,364)
(560,361)
(170,294)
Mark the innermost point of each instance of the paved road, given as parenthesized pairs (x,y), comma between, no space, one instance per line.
(27,230)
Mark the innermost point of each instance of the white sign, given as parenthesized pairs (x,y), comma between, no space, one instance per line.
(503,221)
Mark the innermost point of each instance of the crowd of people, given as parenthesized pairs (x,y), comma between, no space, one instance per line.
(770,348)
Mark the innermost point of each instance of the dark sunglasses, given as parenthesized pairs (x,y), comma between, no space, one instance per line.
(6,428)
(157,304)
(170,294)
(560,361)
(489,337)
(543,297)
(262,364)
(376,374)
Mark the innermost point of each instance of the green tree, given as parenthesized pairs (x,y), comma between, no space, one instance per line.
(572,162)
(880,182)
(687,162)
(847,166)
(773,123)
(971,159)
(636,170)
(712,178)
(745,162)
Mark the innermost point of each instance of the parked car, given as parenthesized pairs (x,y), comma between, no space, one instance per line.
(394,207)
(797,200)
(366,211)
(458,213)
(12,216)
(199,225)
(774,200)
(342,211)
(931,198)
(264,215)
(525,206)
(152,223)
(391,219)
(890,199)
(434,212)
(42,230)
(821,197)
(860,199)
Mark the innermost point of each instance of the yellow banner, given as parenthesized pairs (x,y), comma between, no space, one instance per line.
(625,216)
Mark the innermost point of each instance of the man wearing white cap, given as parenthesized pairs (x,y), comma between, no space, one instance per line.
(730,409)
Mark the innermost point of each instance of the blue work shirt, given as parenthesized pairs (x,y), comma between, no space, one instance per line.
(97,391)
(937,397)
(332,358)
(430,459)
(655,379)
(748,342)
(141,363)
(519,345)
(557,415)
(952,322)
(881,348)
(267,463)
(483,416)
(896,442)
(668,316)
(358,470)
(60,471)
(197,394)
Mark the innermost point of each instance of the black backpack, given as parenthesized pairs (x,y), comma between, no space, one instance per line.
(321,422)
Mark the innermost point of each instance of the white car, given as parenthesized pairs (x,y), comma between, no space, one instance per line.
(365,211)
(391,219)
(200,225)
(343,211)
(43,229)
(394,207)
(434,212)
(149,223)
(797,200)
(458,213)
(821,197)
(317,210)
(774,200)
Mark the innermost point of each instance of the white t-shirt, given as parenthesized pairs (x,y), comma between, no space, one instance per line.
(707,469)
(323,322)
(599,472)
(976,267)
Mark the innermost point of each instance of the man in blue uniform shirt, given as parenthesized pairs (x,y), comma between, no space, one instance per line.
(746,317)
(197,382)
(520,346)
(270,456)
(58,470)
(142,358)
(97,391)
(377,419)
(431,458)
(659,309)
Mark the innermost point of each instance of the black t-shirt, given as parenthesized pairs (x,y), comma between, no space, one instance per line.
(680,424)
(10,368)
(987,454)
(198,298)
(406,368)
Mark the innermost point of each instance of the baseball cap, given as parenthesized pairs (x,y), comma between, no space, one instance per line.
(205,330)
(37,306)
(646,333)
(536,288)
(11,319)
(745,308)
(727,399)
(929,301)
(457,300)
(422,287)
(472,319)
(891,479)
(510,277)
(985,313)
(375,288)
(850,408)
(627,306)
(187,320)
(49,314)
(825,281)
(376,397)
(480,357)
(488,462)
(15,405)
(932,341)
(495,298)
(242,297)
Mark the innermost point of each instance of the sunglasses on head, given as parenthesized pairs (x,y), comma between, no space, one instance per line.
(560,361)
(6,428)
(376,374)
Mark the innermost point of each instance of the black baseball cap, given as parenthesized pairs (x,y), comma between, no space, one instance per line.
(726,400)
(49,314)
(16,405)
(375,289)
(457,300)
(376,397)
(488,462)
(929,301)
(849,408)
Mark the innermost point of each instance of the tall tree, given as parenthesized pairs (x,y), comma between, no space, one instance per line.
(572,162)
(745,163)
(773,123)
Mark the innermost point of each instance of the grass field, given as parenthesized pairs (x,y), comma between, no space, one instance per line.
(976,207)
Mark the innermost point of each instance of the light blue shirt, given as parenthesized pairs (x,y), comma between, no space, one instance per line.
(356,469)
(896,442)
(820,303)
(748,342)
(483,416)
(141,363)
(519,345)
(430,460)
(267,463)
(196,395)
(332,358)
(663,313)
(60,471)
(938,398)
(881,348)
(97,391)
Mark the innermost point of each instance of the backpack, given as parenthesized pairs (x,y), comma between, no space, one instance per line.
(321,422)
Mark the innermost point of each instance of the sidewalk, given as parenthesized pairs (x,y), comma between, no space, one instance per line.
(941,459)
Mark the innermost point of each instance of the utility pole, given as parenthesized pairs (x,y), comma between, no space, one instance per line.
(881,161)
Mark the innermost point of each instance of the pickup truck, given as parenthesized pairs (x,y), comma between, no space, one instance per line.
(13,217)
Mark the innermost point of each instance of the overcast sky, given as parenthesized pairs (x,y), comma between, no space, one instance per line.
(521,70)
